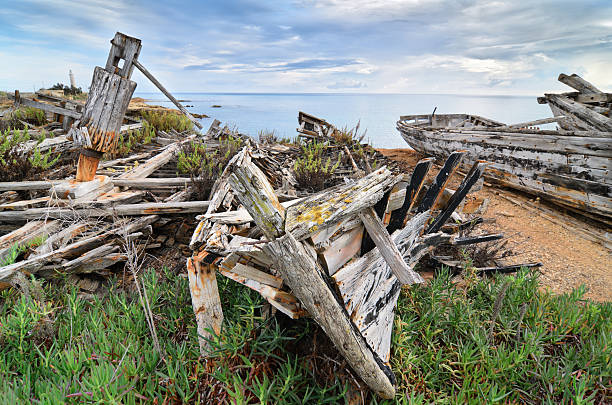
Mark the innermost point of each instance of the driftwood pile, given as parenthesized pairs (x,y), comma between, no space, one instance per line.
(340,255)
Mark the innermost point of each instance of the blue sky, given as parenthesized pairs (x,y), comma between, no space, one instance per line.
(378,46)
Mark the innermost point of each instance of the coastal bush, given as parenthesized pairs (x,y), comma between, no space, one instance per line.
(312,170)
(16,119)
(544,348)
(128,140)
(348,136)
(18,162)
(31,115)
(68,90)
(167,120)
(204,165)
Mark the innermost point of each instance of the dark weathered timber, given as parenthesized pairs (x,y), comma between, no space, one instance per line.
(400,216)
(437,187)
(470,240)
(464,188)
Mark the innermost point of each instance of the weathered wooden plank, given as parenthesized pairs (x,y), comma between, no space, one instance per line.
(166,92)
(598,121)
(154,163)
(387,248)
(464,188)
(578,83)
(533,123)
(341,249)
(34,263)
(307,281)
(181,207)
(400,216)
(336,204)
(359,279)
(153,183)
(437,187)
(254,191)
(205,299)
(46,107)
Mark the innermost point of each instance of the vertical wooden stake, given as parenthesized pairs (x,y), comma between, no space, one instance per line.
(205,299)
(87,166)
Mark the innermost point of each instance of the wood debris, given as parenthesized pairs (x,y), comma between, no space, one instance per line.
(336,246)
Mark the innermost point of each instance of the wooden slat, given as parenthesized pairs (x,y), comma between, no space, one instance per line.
(387,248)
(435,190)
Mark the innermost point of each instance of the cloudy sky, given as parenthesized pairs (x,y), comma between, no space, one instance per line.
(367,46)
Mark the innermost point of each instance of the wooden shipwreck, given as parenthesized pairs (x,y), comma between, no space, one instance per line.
(339,256)
(569,166)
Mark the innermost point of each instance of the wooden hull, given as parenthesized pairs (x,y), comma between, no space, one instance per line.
(570,170)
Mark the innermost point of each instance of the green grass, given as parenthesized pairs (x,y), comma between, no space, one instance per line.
(167,120)
(65,349)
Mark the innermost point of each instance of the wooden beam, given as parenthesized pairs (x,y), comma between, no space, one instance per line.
(157,161)
(578,83)
(166,92)
(400,217)
(205,299)
(46,107)
(464,188)
(437,187)
(387,248)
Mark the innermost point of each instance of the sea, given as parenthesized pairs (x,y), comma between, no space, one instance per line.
(377,114)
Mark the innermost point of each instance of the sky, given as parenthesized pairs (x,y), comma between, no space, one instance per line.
(365,46)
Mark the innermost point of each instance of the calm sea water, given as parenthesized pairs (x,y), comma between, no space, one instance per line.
(377,112)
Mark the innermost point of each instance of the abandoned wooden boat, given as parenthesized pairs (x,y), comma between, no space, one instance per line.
(570,168)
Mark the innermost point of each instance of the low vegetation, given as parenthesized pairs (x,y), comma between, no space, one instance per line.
(128,140)
(19,161)
(21,117)
(167,120)
(203,165)
(450,345)
(313,170)
(68,90)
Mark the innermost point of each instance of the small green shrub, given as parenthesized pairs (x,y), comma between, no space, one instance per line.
(31,115)
(204,166)
(127,141)
(167,120)
(312,170)
(16,163)
(348,136)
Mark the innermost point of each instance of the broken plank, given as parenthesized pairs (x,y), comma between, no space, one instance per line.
(328,208)
(205,300)
(470,179)
(444,175)
(153,183)
(387,248)
(400,216)
(157,161)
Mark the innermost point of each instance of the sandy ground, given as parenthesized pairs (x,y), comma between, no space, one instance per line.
(569,260)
